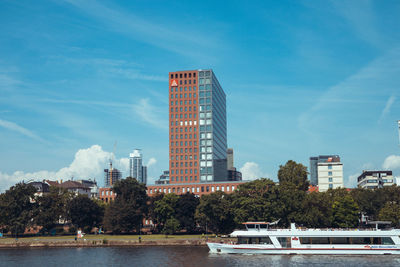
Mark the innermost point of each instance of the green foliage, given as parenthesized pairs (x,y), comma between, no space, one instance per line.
(215,212)
(316,211)
(255,201)
(52,207)
(293,173)
(185,211)
(171,226)
(391,212)
(126,213)
(345,212)
(293,186)
(152,214)
(84,212)
(165,208)
(17,208)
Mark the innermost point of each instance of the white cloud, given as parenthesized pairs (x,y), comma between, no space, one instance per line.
(15,127)
(88,163)
(151,162)
(351,181)
(388,105)
(150,113)
(251,171)
(392,162)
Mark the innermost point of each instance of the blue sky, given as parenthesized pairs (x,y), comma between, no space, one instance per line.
(302,78)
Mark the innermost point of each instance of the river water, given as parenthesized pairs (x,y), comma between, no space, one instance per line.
(173,256)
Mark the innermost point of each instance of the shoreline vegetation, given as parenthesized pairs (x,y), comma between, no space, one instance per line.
(133,212)
(107,241)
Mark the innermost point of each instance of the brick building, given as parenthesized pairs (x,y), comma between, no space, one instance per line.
(197,135)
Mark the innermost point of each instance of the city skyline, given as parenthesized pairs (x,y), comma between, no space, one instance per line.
(301,79)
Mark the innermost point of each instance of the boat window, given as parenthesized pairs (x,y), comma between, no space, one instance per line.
(318,240)
(265,240)
(263,226)
(347,240)
(305,240)
(285,242)
(243,240)
(339,240)
(361,240)
(254,240)
(387,241)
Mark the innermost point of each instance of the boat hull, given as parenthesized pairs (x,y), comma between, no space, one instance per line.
(270,249)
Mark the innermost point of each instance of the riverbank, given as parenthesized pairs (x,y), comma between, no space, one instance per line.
(107,241)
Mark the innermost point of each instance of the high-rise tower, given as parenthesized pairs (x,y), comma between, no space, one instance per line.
(197,127)
(136,168)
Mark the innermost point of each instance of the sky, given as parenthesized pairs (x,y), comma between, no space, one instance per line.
(302,78)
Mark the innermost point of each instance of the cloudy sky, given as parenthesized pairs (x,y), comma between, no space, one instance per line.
(302,78)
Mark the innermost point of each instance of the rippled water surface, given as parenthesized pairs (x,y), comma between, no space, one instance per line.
(173,256)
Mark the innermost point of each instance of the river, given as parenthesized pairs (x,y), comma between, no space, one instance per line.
(173,256)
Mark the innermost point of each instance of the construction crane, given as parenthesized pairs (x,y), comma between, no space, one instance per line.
(113,155)
(398,124)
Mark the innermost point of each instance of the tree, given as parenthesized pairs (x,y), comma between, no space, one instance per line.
(391,212)
(84,212)
(215,213)
(127,211)
(294,173)
(293,187)
(256,201)
(368,201)
(316,210)
(165,208)
(151,210)
(185,211)
(52,207)
(345,212)
(17,207)
(171,226)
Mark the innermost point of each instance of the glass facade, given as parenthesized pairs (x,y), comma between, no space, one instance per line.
(212,128)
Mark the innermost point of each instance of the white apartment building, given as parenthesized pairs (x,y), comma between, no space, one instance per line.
(375,179)
(330,175)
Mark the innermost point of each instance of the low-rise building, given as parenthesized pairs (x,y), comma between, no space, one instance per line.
(72,186)
(106,194)
(164,178)
(375,179)
(41,188)
(198,189)
(94,189)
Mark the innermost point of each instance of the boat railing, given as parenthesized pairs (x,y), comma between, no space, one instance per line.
(316,229)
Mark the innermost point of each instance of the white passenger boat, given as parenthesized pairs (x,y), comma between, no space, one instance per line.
(257,238)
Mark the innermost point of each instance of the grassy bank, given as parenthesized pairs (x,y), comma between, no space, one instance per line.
(107,240)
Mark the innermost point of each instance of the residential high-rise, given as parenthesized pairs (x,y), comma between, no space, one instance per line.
(229,153)
(111,176)
(326,171)
(197,127)
(136,168)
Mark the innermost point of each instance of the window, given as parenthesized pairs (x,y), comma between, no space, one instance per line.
(330,186)
(330,173)
(330,179)
(329,167)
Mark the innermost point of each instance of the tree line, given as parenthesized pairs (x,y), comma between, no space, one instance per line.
(218,212)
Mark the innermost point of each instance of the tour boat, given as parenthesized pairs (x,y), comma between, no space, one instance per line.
(258,238)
